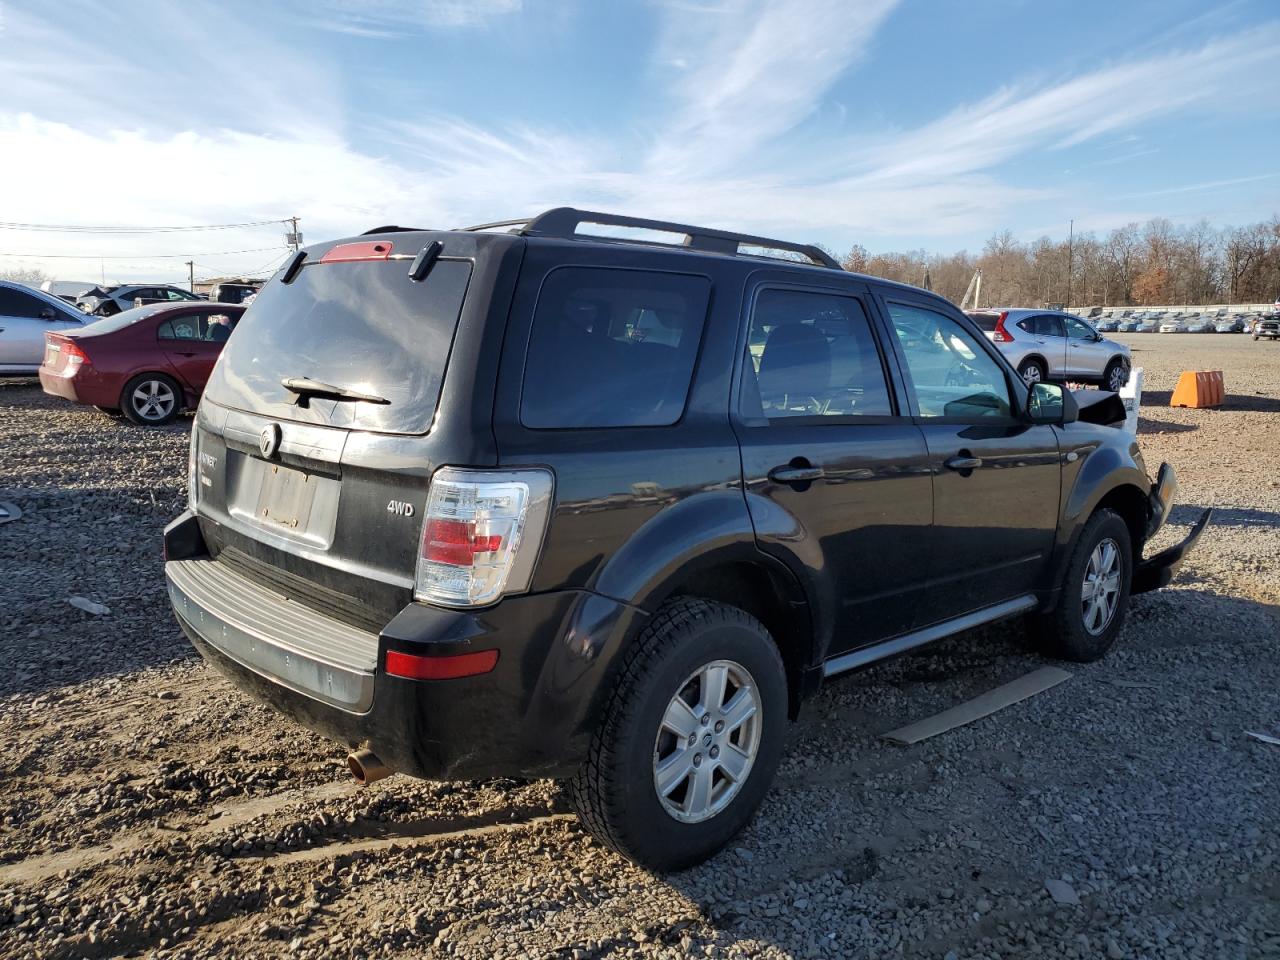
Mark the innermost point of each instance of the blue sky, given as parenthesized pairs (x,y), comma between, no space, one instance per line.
(917,123)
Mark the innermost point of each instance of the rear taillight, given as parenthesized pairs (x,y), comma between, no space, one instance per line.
(72,355)
(193,451)
(481,534)
(1002,335)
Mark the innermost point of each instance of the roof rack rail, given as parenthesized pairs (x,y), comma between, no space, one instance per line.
(563,223)
(392,229)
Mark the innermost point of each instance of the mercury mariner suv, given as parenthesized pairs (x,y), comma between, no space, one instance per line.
(608,499)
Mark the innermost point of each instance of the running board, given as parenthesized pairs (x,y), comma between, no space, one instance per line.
(891,648)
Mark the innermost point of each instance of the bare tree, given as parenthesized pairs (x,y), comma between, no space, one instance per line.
(29,275)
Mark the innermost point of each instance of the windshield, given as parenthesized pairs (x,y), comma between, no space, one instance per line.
(363,326)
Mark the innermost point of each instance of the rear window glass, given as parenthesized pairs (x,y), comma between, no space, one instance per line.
(364,326)
(123,319)
(612,348)
(985,321)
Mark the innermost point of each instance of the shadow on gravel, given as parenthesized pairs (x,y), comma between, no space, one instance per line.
(1234,401)
(1227,517)
(1148,425)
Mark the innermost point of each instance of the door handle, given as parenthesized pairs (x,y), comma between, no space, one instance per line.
(795,473)
(181,354)
(963,463)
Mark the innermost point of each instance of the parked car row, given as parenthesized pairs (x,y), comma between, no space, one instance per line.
(147,363)
(1176,321)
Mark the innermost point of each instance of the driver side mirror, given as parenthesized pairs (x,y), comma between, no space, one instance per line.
(1051,403)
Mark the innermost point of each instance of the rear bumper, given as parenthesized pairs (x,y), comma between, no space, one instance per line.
(532,716)
(85,385)
(57,385)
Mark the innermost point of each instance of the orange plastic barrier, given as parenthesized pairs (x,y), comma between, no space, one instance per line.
(1199,388)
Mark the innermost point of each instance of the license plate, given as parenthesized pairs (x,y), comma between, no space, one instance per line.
(286,497)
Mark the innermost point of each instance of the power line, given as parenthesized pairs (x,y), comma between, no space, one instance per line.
(78,228)
(137,256)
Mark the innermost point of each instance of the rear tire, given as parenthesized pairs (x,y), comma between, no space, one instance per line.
(1094,593)
(667,683)
(151,399)
(1032,371)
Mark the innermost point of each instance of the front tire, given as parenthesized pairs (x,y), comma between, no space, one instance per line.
(1032,371)
(151,399)
(1095,593)
(690,738)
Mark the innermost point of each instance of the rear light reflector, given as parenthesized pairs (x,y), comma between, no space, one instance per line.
(367,250)
(481,534)
(414,667)
(1002,335)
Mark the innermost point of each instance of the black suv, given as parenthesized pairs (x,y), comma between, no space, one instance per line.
(607,499)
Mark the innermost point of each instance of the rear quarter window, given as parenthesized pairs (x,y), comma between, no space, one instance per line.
(612,348)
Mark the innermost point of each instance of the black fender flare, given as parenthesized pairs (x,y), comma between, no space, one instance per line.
(698,532)
(1106,470)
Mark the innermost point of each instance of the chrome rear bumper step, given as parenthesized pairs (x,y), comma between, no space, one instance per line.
(273,636)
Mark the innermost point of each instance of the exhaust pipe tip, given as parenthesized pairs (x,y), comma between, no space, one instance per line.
(366,767)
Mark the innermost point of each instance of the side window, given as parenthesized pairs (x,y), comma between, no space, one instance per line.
(1042,325)
(612,348)
(188,327)
(1050,325)
(1078,329)
(15,303)
(951,375)
(814,355)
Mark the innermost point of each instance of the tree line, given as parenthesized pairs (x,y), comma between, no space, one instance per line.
(1136,265)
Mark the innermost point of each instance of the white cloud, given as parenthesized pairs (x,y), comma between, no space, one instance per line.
(120,139)
(751,71)
(394,18)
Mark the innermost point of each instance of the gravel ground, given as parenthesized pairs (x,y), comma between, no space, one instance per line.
(149,809)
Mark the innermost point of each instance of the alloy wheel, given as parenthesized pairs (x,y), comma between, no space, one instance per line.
(1100,592)
(1119,377)
(1031,374)
(707,741)
(153,399)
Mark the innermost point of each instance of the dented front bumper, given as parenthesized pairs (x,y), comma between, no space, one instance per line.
(1158,571)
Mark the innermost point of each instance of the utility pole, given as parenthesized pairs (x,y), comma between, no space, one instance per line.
(191,275)
(1071,237)
(293,237)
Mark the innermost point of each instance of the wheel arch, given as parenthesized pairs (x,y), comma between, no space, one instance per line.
(771,596)
(705,546)
(1038,358)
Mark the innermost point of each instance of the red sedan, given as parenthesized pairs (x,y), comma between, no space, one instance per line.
(148,363)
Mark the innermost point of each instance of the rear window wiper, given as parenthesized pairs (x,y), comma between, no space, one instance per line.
(306,388)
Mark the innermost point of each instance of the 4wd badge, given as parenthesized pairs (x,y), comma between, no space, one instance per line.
(400,508)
